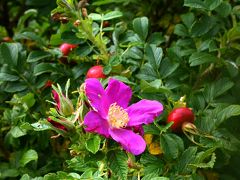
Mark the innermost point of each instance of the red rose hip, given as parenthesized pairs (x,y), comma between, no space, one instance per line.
(67,48)
(96,72)
(179,116)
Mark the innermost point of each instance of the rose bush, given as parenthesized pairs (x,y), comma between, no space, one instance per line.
(57,121)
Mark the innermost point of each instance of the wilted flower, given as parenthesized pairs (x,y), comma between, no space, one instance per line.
(111,116)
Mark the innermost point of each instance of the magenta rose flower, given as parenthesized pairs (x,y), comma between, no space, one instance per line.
(112,117)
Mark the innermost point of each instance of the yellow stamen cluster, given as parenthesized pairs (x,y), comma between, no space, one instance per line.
(117,116)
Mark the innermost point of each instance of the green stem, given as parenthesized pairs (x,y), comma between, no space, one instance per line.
(97,42)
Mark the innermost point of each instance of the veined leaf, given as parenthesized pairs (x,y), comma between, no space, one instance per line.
(140,26)
(197,4)
(198,58)
(37,55)
(172,145)
(118,163)
(93,144)
(154,55)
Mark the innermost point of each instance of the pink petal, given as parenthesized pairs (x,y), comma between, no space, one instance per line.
(94,92)
(130,141)
(118,92)
(143,112)
(95,123)
(56,99)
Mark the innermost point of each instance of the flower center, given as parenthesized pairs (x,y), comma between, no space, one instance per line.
(117,116)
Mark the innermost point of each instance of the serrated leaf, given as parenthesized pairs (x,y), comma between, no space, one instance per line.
(172,145)
(154,55)
(200,161)
(140,26)
(118,164)
(187,157)
(30,155)
(226,113)
(147,73)
(168,67)
(198,58)
(152,164)
(217,88)
(93,144)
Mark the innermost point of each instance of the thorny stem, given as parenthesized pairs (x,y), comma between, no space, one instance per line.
(97,42)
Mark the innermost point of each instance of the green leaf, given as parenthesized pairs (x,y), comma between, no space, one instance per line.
(213,4)
(154,55)
(181,30)
(17,132)
(12,87)
(224,9)
(188,19)
(155,86)
(202,157)
(202,26)
(188,156)
(168,67)
(95,16)
(27,14)
(217,88)
(9,53)
(37,55)
(172,145)
(198,58)
(28,156)
(40,126)
(112,15)
(124,79)
(134,53)
(28,100)
(147,73)
(118,163)
(140,26)
(8,77)
(88,174)
(156,38)
(152,164)
(70,37)
(232,68)
(43,68)
(197,4)
(30,36)
(93,144)
(226,113)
